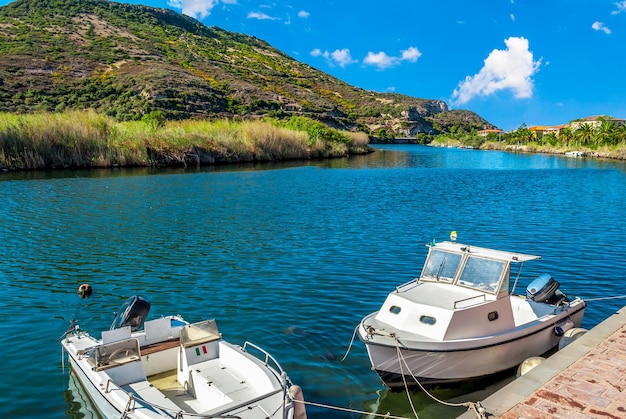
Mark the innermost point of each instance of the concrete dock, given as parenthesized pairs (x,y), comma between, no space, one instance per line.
(586,379)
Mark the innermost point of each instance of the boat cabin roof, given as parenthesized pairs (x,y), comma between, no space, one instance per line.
(485,270)
(484,252)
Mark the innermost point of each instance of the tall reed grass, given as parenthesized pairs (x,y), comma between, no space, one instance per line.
(85,139)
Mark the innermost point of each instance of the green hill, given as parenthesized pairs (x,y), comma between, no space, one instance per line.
(128,60)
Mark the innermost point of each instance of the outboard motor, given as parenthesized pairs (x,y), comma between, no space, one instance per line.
(132,313)
(545,289)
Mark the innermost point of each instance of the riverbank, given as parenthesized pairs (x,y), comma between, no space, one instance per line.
(602,153)
(616,152)
(85,139)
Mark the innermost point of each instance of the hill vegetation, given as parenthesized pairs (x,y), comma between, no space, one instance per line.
(126,61)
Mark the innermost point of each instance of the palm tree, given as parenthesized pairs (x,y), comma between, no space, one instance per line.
(584,134)
(606,135)
(523,135)
(620,134)
(566,135)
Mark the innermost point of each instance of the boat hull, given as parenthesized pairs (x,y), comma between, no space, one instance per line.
(99,402)
(401,363)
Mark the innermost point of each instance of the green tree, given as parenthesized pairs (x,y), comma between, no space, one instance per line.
(606,133)
(566,136)
(584,135)
(155,119)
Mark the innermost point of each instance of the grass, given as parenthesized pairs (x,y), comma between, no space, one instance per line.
(86,139)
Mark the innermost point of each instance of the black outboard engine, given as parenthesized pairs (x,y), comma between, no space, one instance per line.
(132,313)
(545,289)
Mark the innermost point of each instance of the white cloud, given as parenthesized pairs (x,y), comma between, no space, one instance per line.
(381,60)
(512,17)
(198,9)
(599,26)
(303,14)
(261,16)
(340,57)
(411,54)
(621,7)
(511,69)
(384,61)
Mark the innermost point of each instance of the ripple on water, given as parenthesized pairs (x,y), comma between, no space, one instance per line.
(290,259)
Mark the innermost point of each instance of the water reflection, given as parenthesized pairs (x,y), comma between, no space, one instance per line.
(78,402)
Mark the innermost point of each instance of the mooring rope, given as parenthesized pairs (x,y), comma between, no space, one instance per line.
(476,407)
(351,342)
(604,298)
(406,386)
(344,409)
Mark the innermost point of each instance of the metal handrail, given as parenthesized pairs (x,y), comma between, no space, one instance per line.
(268,357)
(471,298)
(416,281)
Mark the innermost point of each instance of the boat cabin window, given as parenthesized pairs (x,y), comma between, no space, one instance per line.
(441,266)
(429,320)
(395,309)
(482,274)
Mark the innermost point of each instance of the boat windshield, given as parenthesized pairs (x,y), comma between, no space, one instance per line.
(114,354)
(197,333)
(482,274)
(441,266)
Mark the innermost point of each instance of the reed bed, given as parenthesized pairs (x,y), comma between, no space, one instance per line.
(85,139)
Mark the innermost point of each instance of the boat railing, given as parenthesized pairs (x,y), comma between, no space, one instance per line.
(415,282)
(484,298)
(266,358)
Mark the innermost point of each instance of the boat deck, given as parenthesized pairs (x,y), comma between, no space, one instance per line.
(221,389)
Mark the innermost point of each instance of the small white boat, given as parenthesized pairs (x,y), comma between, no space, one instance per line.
(169,368)
(461,321)
(574,154)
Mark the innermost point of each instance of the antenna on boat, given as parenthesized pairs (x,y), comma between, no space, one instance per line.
(84,292)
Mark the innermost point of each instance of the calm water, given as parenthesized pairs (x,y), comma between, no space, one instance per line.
(290,257)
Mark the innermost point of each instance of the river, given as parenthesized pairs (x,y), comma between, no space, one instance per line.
(289,256)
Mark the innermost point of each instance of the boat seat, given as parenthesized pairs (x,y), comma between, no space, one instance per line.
(126,372)
(144,390)
(219,389)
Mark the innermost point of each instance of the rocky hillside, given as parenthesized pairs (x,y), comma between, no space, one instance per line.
(129,60)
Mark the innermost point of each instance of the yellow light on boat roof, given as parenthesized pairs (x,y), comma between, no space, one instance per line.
(453,236)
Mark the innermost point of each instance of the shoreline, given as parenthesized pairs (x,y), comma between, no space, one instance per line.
(580,152)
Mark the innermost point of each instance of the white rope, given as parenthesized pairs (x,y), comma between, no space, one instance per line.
(604,298)
(474,406)
(343,409)
(406,386)
(351,342)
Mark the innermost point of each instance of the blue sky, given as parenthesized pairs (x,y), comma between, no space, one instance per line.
(535,62)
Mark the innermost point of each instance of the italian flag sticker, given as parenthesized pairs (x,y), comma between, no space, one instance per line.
(198,353)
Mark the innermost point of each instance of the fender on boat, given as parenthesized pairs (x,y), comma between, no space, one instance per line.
(570,336)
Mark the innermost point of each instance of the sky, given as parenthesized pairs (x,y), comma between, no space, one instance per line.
(513,62)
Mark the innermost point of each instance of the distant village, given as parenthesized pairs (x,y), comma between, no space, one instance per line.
(540,130)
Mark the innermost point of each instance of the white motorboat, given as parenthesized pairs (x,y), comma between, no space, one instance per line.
(169,368)
(460,320)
